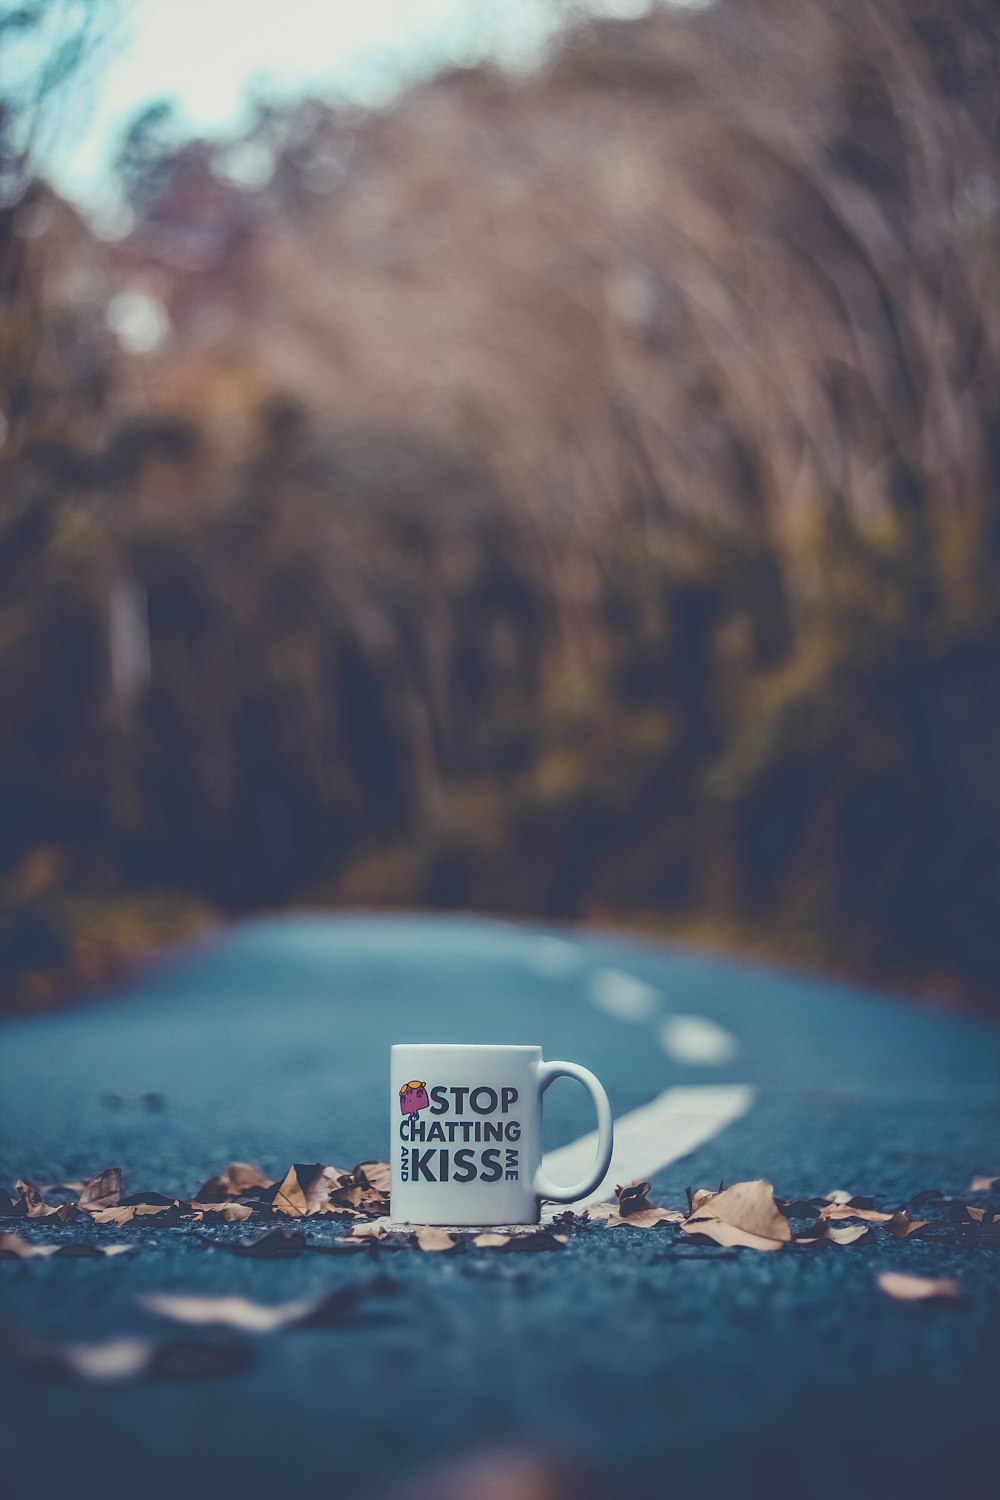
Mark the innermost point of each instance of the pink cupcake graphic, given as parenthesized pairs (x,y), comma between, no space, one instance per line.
(413,1097)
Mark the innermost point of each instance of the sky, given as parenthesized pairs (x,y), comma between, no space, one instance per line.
(210,56)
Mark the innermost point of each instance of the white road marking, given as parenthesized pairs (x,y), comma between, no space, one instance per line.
(554,957)
(623,996)
(696,1039)
(650,1138)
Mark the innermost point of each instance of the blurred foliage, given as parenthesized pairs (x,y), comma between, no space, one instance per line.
(574,494)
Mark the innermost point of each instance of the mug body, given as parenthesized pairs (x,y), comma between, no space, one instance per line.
(466,1134)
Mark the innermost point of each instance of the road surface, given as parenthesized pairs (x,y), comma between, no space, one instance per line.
(655,1365)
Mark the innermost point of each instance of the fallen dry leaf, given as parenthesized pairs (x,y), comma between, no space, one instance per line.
(729,1235)
(289,1195)
(319,1187)
(12,1245)
(534,1240)
(848,1235)
(901,1226)
(917,1288)
(126,1359)
(569,1222)
(238,1178)
(829,1234)
(431,1238)
(139,1206)
(800,1208)
(102,1191)
(841,1199)
(232,1312)
(844,1211)
(116,1215)
(633,1209)
(227,1211)
(365,1190)
(85,1250)
(744,1215)
(32,1206)
(984,1184)
(376,1175)
(113,1359)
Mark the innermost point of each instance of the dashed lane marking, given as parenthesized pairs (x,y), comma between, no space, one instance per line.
(696,1039)
(623,996)
(650,1138)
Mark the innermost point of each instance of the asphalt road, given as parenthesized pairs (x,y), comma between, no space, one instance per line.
(656,1366)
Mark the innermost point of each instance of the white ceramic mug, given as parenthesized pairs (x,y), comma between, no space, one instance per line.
(466,1135)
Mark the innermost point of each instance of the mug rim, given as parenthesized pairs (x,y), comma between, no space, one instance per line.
(465,1047)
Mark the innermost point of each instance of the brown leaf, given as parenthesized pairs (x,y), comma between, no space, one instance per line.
(648,1218)
(569,1222)
(430,1237)
(902,1226)
(632,1199)
(840,1197)
(365,1190)
(33,1207)
(154,1206)
(236,1180)
(800,1208)
(829,1234)
(228,1212)
(12,1245)
(289,1195)
(729,1235)
(102,1191)
(376,1175)
(844,1211)
(534,1240)
(634,1209)
(318,1183)
(84,1249)
(112,1359)
(984,1184)
(743,1215)
(645,1218)
(126,1359)
(917,1288)
(849,1235)
(232,1312)
(118,1215)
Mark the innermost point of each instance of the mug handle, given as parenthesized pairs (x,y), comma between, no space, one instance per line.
(544,1186)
